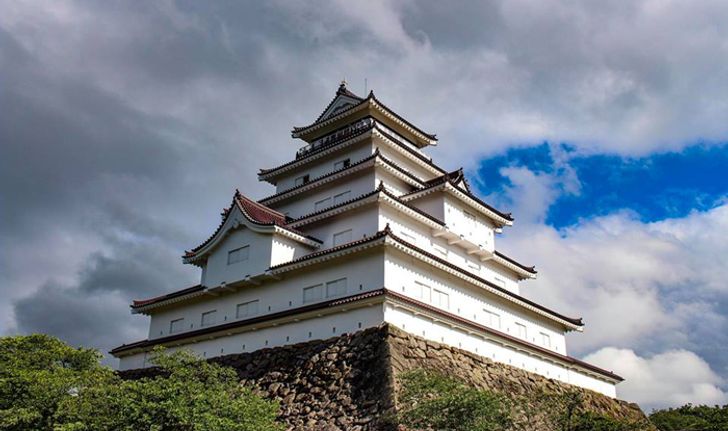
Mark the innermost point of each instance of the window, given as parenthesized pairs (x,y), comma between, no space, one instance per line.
(238,255)
(303,179)
(492,319)
(247,309)
(176,325)
(521,331)
(209,318)
(473,265)
(442,251)
(545,340)
(500,282)
(408,237)
(342,237)
(323,203)
(312,293)
(469,218)
(422,291)
(342,164)
(336,288)
(440,299)
(342,197)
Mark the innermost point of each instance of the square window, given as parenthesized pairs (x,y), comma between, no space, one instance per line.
(247,309)
(342,237)
(312,293)
(342,164)
(238,255)
(521,331)
(209,318)
(323,203)
(176,325)
(408,237)
(422,291)
(493,319)
(336,288)
(545,340)
(303,179)
(342,197)
(440,299)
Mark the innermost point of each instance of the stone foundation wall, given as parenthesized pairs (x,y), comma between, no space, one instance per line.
(349,382)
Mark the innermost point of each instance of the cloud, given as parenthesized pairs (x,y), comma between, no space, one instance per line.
(649,289)
(674,377)
(126,127)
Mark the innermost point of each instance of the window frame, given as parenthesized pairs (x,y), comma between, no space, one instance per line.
(247,303)
(318,297)
(172,323)
(239,249)
(212,313)
(333,238)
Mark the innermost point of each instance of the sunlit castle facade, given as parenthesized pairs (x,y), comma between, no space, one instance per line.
(363,228)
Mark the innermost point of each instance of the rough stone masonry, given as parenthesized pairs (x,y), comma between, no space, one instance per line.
(350,382)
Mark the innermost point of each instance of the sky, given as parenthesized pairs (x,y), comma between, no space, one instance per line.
(125,127)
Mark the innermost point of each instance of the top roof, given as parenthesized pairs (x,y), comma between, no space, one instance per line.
(327,116)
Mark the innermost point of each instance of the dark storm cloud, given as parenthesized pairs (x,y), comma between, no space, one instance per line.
(125,126)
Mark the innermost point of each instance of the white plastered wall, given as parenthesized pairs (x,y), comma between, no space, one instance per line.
(406,275)
(304,203)
(420,235)
(217,269)
(363,273)
(323,166)
(294,332)
(426,327)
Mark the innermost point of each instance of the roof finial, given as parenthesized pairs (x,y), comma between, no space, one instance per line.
(343,83)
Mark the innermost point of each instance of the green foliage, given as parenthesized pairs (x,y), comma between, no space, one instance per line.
(568,411)
(37,372)
(433,401)
(691,418)
(47,385)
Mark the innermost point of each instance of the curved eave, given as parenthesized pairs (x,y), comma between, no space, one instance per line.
(570,323)
(272,173)
(498,218)
(375,160)
(522,270)
(378,195)
(418,307)
(375,105)
(199,253)
(385,237)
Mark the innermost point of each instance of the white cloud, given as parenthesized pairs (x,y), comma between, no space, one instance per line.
(671,378)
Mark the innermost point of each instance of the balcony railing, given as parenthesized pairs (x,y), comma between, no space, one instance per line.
(335,137)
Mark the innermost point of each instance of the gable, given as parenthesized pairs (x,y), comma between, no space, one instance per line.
(340,103)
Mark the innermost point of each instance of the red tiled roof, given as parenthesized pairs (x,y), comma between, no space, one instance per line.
(260,213)
(255,212)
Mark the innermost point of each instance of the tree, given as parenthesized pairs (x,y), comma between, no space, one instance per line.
(433,401)
(691,418)
(37,372)
(48,385)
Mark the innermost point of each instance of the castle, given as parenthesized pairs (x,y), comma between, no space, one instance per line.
(363,229)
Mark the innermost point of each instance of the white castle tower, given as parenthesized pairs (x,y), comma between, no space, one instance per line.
(364,228)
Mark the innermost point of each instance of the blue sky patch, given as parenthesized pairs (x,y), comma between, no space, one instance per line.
(656,187)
